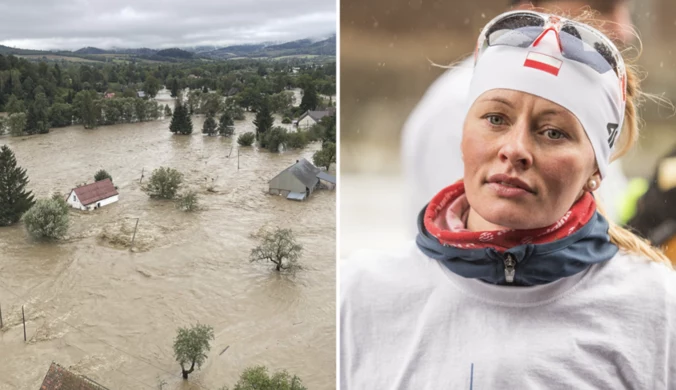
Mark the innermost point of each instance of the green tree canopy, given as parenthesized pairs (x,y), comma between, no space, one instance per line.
(226,125)
(275,139)
(15,200)
(246,139)
(164,183)
(151,86)
(101,174)
(180,121)
(258,378)
(16,123)
(326,156)
(264,119)
(191,345)
(47,219)
(209,126)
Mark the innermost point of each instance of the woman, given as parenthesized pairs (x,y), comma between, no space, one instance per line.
(516,280)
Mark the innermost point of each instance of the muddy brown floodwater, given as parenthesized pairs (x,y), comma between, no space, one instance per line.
(111,314)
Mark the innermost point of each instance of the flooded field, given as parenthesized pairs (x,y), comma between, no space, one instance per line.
(111,314)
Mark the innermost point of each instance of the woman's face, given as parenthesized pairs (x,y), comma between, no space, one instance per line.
(527,160)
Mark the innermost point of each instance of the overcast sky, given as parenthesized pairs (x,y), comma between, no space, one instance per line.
(73,24)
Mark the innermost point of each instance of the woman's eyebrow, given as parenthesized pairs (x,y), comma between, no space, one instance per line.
(499,100)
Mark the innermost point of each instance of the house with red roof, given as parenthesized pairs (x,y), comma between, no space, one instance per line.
(59,378)
(94,195)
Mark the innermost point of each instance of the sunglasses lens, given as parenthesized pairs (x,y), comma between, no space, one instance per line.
(584,46)
(518,30)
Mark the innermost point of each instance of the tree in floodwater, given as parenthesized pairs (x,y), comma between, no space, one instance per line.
(180,121)
(151,86)
(326,156)
(310,99)
(88,107)
(167,110)
(174,88)
(16,123)
(14,199)
(226,125)
(47,219)
(101,174)
(209,126)
(280,248)
(246,139)
(259,379)
(264,119)
(191,345)
(164,183)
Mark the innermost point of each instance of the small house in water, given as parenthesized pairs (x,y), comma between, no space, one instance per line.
(94,195)
(58,378)
(310,118)
(296,182)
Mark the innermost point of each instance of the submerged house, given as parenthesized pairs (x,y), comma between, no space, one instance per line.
(94,195)
(310,118)
(296,182)
(58,378)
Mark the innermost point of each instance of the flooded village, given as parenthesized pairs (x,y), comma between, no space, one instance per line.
(105,301)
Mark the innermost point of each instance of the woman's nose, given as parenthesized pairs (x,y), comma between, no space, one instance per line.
(517,148)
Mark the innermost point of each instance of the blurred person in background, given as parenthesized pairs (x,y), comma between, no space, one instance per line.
(654,215)
(432,133)
(516,280)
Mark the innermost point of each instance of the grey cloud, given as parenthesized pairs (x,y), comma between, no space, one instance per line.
(72,24)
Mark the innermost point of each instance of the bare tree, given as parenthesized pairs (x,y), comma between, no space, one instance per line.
(280,248)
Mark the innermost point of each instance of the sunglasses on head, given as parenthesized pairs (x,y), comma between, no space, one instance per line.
(577,41)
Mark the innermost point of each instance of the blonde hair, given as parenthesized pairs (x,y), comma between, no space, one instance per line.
(624,238)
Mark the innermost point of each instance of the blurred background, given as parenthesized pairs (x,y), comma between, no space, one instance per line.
(386,47)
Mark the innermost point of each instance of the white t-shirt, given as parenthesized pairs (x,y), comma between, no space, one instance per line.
(407,322)
(431,140)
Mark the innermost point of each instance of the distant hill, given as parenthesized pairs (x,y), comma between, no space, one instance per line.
(325,47)
(174,53)
(302,47)
(91,50)
(10,50)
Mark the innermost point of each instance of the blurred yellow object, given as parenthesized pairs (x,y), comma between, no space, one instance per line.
(666,174)
(670,249)
(627,203)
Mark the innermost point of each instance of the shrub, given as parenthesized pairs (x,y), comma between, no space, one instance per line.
(102,175)
(188,201)
(297,140)
(286,120)
(47,219)
(246,139)
(164,183)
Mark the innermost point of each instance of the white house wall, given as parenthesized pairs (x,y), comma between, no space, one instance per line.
(306,122)
(76,203)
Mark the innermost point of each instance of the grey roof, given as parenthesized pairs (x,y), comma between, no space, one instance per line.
(304,171)
(326,177)
(316,115)
(296,195)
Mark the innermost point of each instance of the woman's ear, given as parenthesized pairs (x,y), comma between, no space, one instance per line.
(593,183)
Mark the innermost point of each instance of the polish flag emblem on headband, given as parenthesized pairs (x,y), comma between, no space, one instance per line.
(543,62)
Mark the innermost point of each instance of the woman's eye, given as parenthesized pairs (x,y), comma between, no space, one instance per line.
(495,120)
(554,134)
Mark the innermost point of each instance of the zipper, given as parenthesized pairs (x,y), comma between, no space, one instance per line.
(510,265)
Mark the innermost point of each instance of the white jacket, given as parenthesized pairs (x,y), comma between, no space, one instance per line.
(407,322)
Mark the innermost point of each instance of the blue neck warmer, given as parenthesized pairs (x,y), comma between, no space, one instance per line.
(528,264)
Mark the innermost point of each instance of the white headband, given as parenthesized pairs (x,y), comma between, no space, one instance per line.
(595,99)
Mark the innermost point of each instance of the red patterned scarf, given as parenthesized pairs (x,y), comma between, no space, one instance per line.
(446,219)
